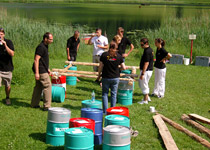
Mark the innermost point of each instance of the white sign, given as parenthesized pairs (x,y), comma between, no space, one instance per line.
(192,36)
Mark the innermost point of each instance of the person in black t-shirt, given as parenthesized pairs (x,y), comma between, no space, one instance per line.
(109,67)
(73,46)
(160,68)
(124,43)
(42,72)
(6,65)
(146,68)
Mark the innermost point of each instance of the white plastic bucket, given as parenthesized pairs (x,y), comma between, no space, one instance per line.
(186,61)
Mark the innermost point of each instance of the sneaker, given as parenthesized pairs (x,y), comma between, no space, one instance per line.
(8,102)
(143,102)
(45,109)
(149,99)
(159,96)
(154,95)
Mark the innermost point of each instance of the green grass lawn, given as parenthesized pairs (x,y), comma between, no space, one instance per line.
(187,91)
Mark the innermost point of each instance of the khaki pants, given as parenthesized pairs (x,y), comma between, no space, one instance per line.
(42,84)
(5,78)
(96,59)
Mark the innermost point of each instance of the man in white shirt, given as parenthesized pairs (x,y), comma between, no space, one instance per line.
(100,44)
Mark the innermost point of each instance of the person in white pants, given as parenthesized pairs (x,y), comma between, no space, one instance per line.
(146,68)
(160,68)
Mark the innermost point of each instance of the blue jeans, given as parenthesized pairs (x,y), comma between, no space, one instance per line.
(111,83)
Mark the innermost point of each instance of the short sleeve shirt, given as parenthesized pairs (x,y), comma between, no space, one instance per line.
(42,51)
(123,44)
(102,41)
(147,57)
(6,63)
(160,54)
(72,44)
(111,69)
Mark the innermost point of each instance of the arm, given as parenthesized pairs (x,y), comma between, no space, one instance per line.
(68,53)
(100,68)
(146,64)
(103,47)
(9,51)
(77,47)
(123,67)
(131,49)
(89,41)
(36,66)
(166,58)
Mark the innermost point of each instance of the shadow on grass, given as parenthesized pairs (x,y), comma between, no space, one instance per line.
(137,97)
(72,107)
(38,136)
(17,102)
(159,136)
(55,148)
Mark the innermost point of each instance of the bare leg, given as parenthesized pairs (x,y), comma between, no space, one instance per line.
(7,91)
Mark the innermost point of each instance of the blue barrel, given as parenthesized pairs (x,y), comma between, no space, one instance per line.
(57,123)
(58,94)
(79,139)
(97,115)
(71,80)
(91,104)
(117,120)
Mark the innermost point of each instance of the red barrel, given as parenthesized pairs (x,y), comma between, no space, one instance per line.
(60,81)
(118,111)
(82,122)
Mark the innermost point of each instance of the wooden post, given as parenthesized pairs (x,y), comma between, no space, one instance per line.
(198,126)
(186,131)
(199,118)
(165,133)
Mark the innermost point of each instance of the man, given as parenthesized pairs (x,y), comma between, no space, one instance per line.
(41,71)
(6,65)
(73,46)
(123,44)
(100,43)
(146,68)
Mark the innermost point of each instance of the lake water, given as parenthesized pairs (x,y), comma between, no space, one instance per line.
(106,16)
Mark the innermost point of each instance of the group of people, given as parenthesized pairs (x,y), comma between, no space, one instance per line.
(109,57)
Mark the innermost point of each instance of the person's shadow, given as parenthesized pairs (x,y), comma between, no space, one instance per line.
(17,102)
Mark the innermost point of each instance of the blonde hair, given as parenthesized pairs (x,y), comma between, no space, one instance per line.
(116,38)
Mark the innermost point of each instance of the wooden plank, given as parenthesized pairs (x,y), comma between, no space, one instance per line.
(199,118)
(198,126)
(165,133)
(186,131)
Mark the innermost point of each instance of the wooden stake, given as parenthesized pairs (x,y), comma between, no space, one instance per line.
(165,133)
(186,131)
(198,126)
(199,118)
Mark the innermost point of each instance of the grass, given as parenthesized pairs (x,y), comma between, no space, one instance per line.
(187,91)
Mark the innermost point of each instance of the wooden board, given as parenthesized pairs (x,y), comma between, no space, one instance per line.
(199,118)
(165,133)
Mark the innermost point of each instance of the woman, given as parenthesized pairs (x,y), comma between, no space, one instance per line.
(160,68)
(109,67)
(117,39)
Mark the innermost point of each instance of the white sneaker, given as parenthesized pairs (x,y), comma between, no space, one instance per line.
(149,99)
(160,96)
(143,102)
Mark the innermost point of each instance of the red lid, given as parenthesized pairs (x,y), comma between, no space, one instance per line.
(118,110)
(60,80)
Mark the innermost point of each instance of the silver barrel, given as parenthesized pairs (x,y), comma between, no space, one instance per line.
(59,115)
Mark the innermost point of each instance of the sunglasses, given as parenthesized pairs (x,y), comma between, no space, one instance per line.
(121,31)
(142,44)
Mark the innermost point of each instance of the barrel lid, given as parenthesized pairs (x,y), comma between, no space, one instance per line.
(117,117)
(58,110)
(82,120)
(91,102)
(92,109)
(117,109)
(116,129)
(78,131)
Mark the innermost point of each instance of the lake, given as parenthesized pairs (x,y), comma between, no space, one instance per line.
(106,16)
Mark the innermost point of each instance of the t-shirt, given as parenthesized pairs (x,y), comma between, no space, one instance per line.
(5,59)
(160,54)
(101,40)
(111,69)
(123,44)
(147,57)
(72,44)
(42,50)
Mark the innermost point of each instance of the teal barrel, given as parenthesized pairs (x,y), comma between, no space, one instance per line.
(116,137)
(57,123)
(79,139)
(117,120)
(71,80)
(58,94)
(92,104)
(126,71)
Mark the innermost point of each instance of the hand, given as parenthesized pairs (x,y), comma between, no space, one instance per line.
(3,42)
(163,60)
(49,72)
(68,58)
(141,77)
(99,46)
(124,55)
(37,77)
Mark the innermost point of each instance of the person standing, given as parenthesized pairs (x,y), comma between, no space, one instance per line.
(146,68)
(100,44)
(109,67)
(6,64)
(160,68)
(42,72)
(124,43)
(73,46)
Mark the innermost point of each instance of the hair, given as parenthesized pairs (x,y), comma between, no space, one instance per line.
(161,41)
(121,28)
(76,32)
(98,29)
(117,37)
(2,30)
(144,40)
(46,35)
(113,49)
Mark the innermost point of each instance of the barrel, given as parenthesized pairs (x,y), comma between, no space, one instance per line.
(57,123)
(116,137)
(58,94)
(97,115)
(118,111)
(60,81)
(92,104)
(117,120)
(82,122)
(126,71)
(78,139)
(71,80)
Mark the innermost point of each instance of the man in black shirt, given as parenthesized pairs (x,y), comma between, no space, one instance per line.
(123,44)
(41,71)
(73,46)
(6,65)
(146,68)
